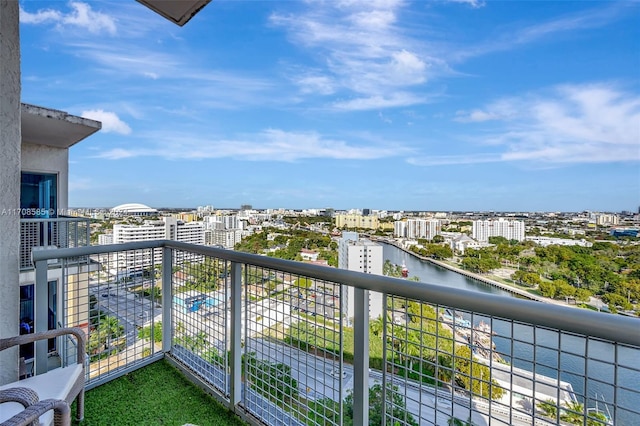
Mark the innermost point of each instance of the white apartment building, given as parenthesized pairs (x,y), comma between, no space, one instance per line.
(168,228)
(227,238)
(213,222)
(223,222)
(364,256)
(225,231)
(509,229)
(423,228)
(603,219)
(105,239)
(400,229)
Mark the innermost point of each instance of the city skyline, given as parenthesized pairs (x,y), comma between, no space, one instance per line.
(419,106)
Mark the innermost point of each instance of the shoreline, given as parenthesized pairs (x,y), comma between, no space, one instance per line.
(474,276)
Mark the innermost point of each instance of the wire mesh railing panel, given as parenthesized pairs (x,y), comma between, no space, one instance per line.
(429,363)
(293,348)
(29,238)
(444,365)
(115,297)
(51,233)
(200,316)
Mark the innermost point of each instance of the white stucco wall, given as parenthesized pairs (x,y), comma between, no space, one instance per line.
(10,137)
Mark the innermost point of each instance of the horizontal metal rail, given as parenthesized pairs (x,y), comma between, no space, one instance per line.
(54,219)
(608,327)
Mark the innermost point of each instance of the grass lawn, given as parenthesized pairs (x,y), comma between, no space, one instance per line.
(157,394)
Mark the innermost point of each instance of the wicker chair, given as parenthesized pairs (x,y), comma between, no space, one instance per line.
(34,409)
(31,400)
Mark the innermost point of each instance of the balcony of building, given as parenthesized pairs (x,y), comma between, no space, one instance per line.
(269,340)
(51,233)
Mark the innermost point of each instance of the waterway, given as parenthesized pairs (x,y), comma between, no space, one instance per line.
(519,350)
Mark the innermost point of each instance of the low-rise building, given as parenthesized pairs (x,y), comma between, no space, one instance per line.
(550,241)
(357,221)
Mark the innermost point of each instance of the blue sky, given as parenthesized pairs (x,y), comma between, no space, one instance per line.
(381,104)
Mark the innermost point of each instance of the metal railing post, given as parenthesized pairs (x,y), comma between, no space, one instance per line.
(385,316)
(235,393)
(361,357)
(167,297)
(41,315)
(87,230)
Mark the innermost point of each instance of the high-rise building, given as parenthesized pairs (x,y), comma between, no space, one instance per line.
(226,238)
(168,228)
(422,228)
(41,170)
(399,229)
(603,219)
(509,229)
(364,256)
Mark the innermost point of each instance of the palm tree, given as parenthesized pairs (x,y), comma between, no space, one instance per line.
(413,348)
(454,421)
(111,328)
(377,326)
(442,369)
(574,413)
(549,408)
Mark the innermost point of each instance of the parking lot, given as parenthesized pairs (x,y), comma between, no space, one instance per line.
(314,301)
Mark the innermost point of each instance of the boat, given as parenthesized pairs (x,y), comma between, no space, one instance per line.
(484,327)
(405,270)
(596,412)
(455,319)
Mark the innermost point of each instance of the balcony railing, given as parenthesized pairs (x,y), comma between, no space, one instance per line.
(60,232)
(270,338)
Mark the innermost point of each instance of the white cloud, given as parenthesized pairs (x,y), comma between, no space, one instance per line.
(473,3)
(110,121)
(363,51)
(120,153)
(379,102)
(407,68)
(81,15)
(591,123)
(151,75)
(199,85)
(502,109)
(317,84)
(42,15)
(268,145)
(449,160)
(375,19)
(526,34)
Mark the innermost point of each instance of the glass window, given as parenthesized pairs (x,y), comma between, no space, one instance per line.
(27,295)
(26,318)
(38,195)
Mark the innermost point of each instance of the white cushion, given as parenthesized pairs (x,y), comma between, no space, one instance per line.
(55,384)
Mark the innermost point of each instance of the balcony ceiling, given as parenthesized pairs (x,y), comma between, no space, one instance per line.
(177,11)
(45,126)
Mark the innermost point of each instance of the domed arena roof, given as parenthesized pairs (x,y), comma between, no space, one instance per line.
(134,209)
